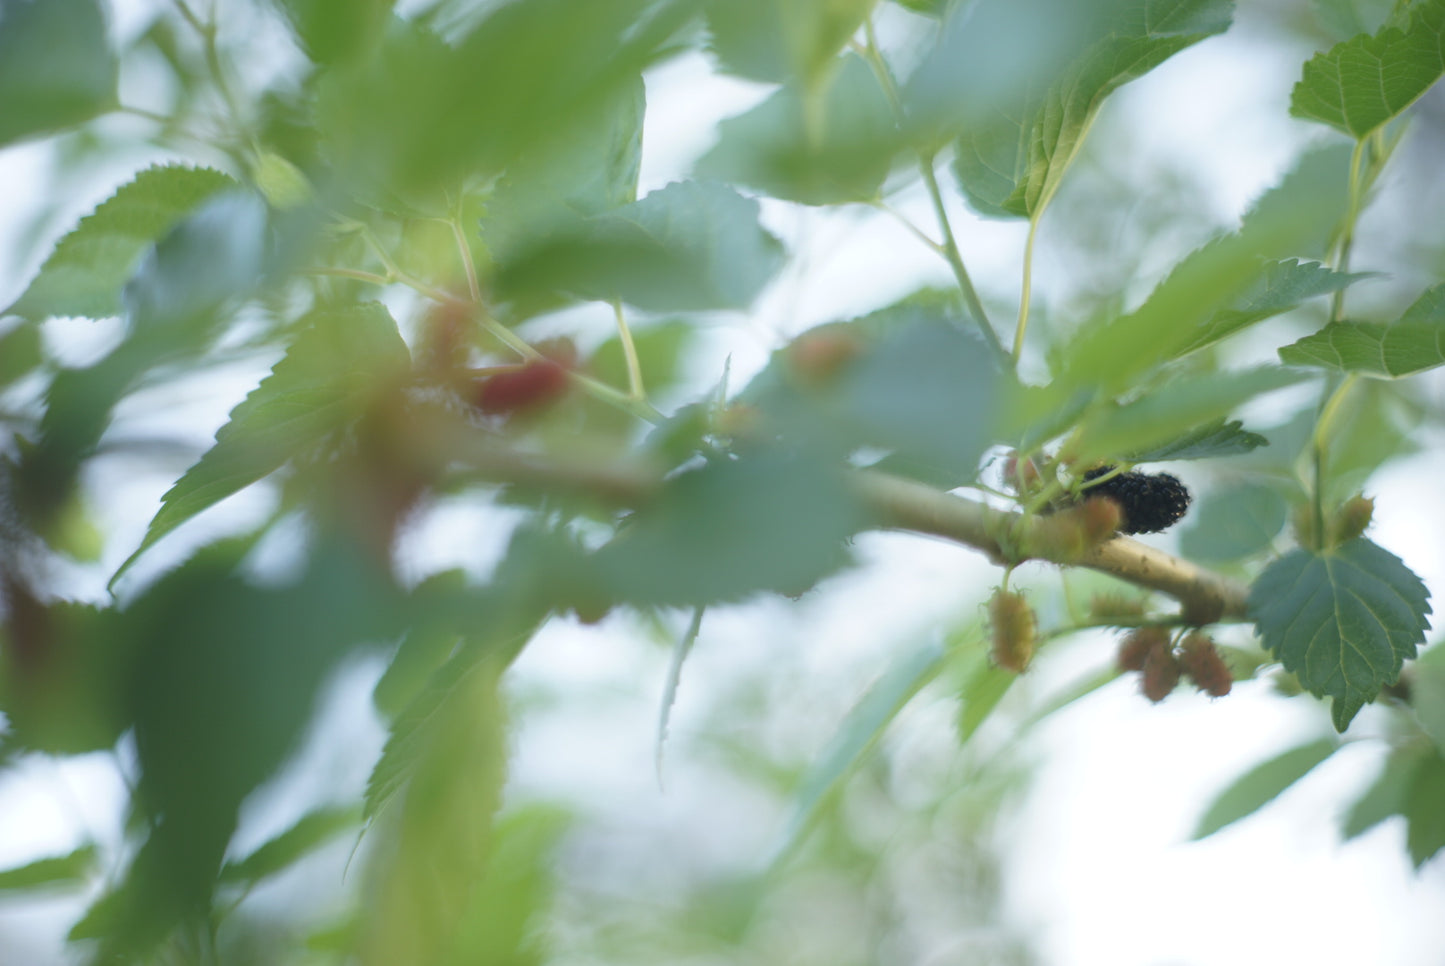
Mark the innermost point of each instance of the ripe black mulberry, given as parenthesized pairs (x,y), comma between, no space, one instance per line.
(1150,503)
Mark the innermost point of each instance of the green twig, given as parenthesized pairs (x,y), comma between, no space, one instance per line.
(629,352)
(1026,291)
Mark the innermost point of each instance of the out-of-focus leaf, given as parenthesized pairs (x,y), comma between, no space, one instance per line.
(680,652)
(436,846)
(781,40)
(1381,423)
(339,362)
(1387,794)
(819,147)
(1282,286)
(416,119)
(981,693)
(20,352)
(661,348)
(85,274)
(56,66)
(690,246)
(1424,808)
(72,871)
(1344,621)
(426,646)
(1210,441)
(1413,344)
(1427,694)
(1158,417)
(1234,522)
(724,520)
(310,832)
(337,30)
(859,732)
(1296,215)
(1263,783)
(1343,19)
(1014,164)
(1358,85)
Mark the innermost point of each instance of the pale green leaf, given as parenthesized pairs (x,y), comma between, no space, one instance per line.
(1343,621)
(73,871)
(1014,165)
(858,733)
(1358,85)
(819,147)
(56,66)
(1427,694)
(1424,808)
(781,40)
(310,832)
(1233,522)
(1283,285)
(1386,795)
(690,246)
(1413,344)
(335,364)
(85,274)
(1260,785)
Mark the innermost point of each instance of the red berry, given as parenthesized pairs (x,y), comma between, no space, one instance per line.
(1204,666)
(1161,672)
(1135,647)
(532,386)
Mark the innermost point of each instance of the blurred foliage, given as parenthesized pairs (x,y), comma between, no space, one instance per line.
(386,216)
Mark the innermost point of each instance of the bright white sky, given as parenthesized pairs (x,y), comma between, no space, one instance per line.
(1098,867)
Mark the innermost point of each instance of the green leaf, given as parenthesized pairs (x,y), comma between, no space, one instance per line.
(1413,344)
(858,732)
(56,66)
(310,832)
(1234,522)
(1427,694)
(85,274)
(724,519)
(818,147)
(338,362)
(1424,809)
(1282,286)
(1297,215)
(1160,415)
(337,30)
(71,871)
(1260,785)
(781,40)
(690,246)
(1014,165)
(20,352)
(1344,621)
(1210,441)
(1361,84)
(1387,794)
(981,693)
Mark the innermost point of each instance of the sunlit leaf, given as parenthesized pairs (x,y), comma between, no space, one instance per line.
(1360,84)
(56,66)
(817,147)
(337,30)
(1262,784)
(1343,621)
(90,265)
(1233,522)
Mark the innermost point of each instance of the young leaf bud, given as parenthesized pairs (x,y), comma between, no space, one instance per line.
(1204,665)
(1012,622)
(1352,519)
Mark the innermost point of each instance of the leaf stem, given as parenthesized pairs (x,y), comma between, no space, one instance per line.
(629,351)
(1347,232)
(464,251)
(1025,291)
(949,247)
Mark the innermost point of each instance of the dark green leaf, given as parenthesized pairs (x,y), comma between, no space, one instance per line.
(20,352)
(859,732)
(690,246)
(1386,795)
(339,362)
(1424,809)
(1234,522)
(724,520)
(1358,85)
(1260,785)
(71,871)
(767,40)
(311,832)
(1014,165)
(56,66)
(1343,621)
(1282,286)
(819,147)
(1210,441)
(85,274)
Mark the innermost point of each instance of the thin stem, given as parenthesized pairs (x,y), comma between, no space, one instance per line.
(1320,450)
(912,229)
(949,248)
(1026,291)
(629,352)
(1347,233)
(465,252)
